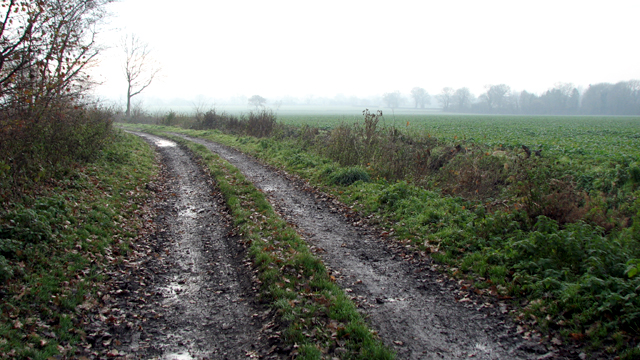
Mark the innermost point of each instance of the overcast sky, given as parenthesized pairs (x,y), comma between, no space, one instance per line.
(220,49)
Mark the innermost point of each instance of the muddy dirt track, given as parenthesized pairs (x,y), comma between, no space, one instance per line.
(189,295)
(416,311)
(200,302)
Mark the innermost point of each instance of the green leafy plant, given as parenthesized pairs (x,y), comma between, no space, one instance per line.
(633,267)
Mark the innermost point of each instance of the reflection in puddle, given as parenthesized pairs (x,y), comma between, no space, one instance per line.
(165,143)
(178,356)
(173,290)
(189,212)
(269,188)
(181,287)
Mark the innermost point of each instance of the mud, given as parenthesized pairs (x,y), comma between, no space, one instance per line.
(416,310)
(189,295)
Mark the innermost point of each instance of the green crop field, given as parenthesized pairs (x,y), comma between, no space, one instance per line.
(561,135)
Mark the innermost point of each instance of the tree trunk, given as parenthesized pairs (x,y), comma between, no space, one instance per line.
(128,112)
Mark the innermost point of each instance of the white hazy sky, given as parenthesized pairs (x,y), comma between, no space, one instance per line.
(220,49)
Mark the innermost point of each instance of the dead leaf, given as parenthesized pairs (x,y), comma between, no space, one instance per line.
(112,353)
(577,336)
(19,296)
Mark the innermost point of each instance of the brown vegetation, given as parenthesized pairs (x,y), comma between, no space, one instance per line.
(46,123)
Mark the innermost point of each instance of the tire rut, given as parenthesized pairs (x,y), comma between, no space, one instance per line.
(412,307)
(201,291)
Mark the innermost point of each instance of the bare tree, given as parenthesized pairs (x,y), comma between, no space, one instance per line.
(201,104)
(445,97)
(139,67)
(561,99)
(46,121)
(45,46)
(257,101)
(420,97)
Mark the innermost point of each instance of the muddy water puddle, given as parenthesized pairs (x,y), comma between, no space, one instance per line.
(164,143)
(178,356)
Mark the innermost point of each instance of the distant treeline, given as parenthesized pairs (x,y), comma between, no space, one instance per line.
(622,98)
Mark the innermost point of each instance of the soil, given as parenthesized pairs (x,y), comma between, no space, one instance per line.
(417,311)
(186,292)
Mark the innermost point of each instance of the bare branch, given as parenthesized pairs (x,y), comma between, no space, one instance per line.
(139,68)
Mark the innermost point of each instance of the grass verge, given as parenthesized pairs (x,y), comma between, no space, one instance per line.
(55,242)
(320,318)
(574,283)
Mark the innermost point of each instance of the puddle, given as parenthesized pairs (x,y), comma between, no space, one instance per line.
(178,356)
(269,188)
(164,143)
(173,290)
(189,212)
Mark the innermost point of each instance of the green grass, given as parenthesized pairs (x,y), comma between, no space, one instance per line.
(55,242)
(576,280)
(319,314)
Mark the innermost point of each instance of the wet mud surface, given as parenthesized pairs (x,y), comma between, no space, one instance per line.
(417,311)
(188,293)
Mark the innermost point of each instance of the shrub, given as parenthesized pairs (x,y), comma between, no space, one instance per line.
(260,124)
(349,175)
(474,175)
(49,143)
(169,119)
(394,193)
(341,145)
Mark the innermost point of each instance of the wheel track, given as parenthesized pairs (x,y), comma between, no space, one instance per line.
(412,307)
(202,295)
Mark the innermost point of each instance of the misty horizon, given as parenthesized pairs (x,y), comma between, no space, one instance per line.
(284,50)
(434,102)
